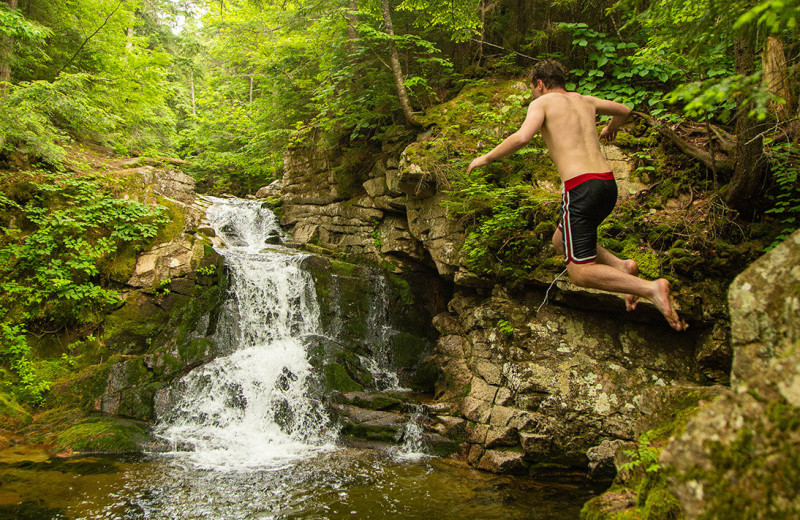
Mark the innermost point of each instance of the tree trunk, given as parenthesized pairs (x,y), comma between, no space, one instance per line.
(773,64)
(397,70)
(352,28)
(6,53)
(750,171)
(191,88)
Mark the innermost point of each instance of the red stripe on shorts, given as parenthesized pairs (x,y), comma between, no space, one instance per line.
(580,179)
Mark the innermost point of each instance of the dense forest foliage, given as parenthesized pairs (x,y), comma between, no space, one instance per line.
(228,85)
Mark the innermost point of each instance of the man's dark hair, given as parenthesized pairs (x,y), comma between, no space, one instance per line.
(552,73)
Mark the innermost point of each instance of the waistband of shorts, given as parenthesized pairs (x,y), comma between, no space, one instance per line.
(580,179)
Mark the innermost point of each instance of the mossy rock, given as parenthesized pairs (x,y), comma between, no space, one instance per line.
(338,379)
(407,349)
(131,329)
(615,504)
(80,389)
(660,504)
(442,447)
(138,401)
(177,221)
(372,433)
(378,401)
(104,435)
(12,415)
(425,377)
(120,268)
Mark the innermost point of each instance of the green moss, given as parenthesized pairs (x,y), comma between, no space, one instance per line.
(80,389)
(649,264)
(442,448)
(401,289)
(377,402)
(407,349)
(675,411)
(105,435)
(372,433)
(12,414)
(598,508)
(131,329)
(177,221)
(337,379)
(756,475)
(340,268)
(661,505)
(426,376)
(120,268)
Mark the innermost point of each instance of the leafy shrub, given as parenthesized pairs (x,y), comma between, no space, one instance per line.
(50,271)
(611,70)
(503,239)
(50,262)
(787,199)
(14,349)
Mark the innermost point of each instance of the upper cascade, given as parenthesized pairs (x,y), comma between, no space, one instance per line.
(252,408)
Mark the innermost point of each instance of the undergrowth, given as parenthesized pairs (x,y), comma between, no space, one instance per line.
(57,233)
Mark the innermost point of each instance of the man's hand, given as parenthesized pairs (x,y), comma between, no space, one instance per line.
(477,163)
(608,134)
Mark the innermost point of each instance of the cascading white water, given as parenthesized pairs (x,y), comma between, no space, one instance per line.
(413,445)
(252,408)
(379,334)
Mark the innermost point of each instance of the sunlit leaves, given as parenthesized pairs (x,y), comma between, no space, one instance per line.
(774,15)
(14,25)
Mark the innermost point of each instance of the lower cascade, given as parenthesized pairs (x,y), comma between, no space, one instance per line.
(252,407)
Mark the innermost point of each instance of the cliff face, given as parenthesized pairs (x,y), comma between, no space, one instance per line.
(527,385)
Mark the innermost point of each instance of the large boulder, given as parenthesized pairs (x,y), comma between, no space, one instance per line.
(739,457)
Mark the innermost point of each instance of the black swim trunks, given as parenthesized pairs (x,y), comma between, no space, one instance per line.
(586,201)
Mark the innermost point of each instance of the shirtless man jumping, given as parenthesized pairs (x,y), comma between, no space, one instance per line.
(589,192)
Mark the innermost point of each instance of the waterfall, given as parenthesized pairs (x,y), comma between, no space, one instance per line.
(379,333)
(412,445)
(251,408)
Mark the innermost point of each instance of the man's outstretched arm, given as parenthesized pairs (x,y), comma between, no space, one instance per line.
(533,122)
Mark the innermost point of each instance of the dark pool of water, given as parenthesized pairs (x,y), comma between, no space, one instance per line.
(346,483)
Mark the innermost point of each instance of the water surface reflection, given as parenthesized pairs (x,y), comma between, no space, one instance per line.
(348,483)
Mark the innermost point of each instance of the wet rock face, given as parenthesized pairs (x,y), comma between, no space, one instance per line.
(168,316)
(368,313)
(546,389)
(740,455)
(523,390)
(394,215)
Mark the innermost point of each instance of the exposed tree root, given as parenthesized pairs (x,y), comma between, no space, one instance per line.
(719,162)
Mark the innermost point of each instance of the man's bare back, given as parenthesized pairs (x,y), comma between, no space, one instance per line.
(567,121)
(570,131)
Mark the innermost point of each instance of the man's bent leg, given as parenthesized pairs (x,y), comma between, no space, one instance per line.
(604,277)
(558,241)
(606,257)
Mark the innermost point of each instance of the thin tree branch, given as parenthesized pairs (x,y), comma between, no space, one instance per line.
(503,48)
(90,37)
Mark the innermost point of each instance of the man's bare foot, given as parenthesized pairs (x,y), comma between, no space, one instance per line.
(662,302)
(632,269)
